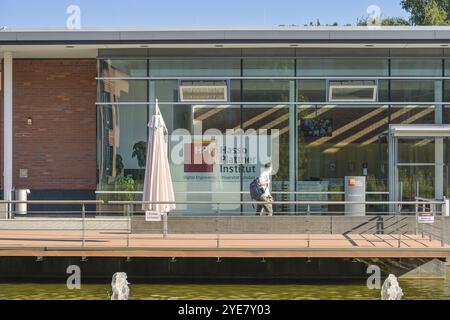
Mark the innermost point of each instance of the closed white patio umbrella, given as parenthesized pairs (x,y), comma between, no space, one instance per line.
(158,180)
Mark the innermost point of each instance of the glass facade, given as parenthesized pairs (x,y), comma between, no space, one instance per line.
(331,116)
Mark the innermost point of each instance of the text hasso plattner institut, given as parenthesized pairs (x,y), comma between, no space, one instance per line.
(346,101)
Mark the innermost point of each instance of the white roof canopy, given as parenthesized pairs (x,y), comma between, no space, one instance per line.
(419,130)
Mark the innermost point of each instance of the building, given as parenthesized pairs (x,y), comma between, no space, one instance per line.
(345,100)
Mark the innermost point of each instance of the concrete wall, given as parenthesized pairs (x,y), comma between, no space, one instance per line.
(64,224)
(195,270)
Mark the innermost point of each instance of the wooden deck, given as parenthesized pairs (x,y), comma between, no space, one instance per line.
(117,244)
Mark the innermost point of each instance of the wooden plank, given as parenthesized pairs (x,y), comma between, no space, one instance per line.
(196,253)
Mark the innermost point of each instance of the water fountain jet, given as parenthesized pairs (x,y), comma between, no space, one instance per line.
(391,289)
(119,285)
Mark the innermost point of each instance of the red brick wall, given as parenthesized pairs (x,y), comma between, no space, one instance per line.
(59,148)
(1,127)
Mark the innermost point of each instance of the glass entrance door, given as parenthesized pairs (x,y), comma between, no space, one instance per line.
(419,166)
(416,170)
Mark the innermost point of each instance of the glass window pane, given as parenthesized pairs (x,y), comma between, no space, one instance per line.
(123,91)
(270,118)
(383,90)
(412,91)
(165,90)
(200,180)
(266,90)
(415,179)
(342,67)
(265,67)
(195,68)
(447,90)
(412,114)
(418,68)
(123,68)
(447,68)
(122,130)
(447,115)
(337,141)
(312,91)
(416,151)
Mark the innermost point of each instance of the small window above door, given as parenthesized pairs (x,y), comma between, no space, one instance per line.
(352,91)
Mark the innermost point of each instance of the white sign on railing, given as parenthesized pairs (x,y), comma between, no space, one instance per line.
(152,216)
(425,217)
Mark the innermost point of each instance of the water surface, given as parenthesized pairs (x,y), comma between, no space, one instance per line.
(412,289)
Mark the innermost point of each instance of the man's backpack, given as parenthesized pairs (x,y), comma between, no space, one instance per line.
(255,190)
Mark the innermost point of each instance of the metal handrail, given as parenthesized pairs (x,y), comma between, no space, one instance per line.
(243,192)
(52,201)
(276,202)
(277,78)
(423,200)
(284,103)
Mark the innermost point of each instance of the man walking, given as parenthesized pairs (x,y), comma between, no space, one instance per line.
(264,184)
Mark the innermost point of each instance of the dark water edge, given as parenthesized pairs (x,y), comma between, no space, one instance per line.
(413,289)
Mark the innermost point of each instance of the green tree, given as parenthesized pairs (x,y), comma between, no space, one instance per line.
(428,12)
(387,21)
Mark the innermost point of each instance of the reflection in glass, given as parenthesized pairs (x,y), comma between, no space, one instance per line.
(195,68)
(266,90)
(354,147)
(416,67)
(268,67)
(416,150)
(122,132)
(123,68)
(412,114)
(332,140)
(412,91)
(269,118)
(113,91)
(195,175)
(416,181)
(342,67)
(312,91)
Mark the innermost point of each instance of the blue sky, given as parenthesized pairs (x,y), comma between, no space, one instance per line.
(189,13)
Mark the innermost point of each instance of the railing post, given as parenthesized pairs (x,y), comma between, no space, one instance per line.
(217,224)
(128,224)
(83,223)
(165,227)
(307,232)
(331,224)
